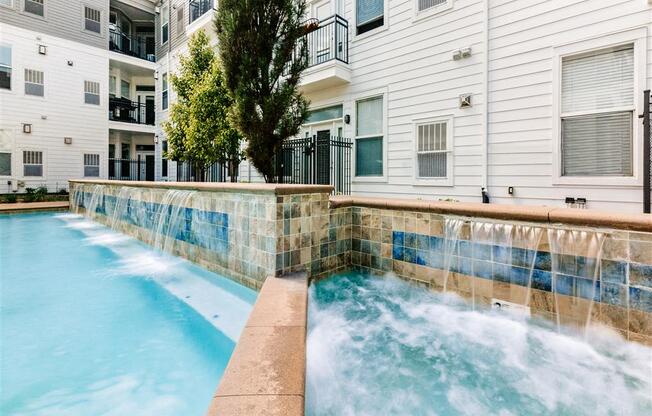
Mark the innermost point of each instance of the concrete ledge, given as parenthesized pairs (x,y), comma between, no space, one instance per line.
(24,207)
(533,213)
(271,188)
(267,372)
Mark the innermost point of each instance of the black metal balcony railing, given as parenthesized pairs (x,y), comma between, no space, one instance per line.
(330,41)
(197,8)
(140,169)
(127,111)
(137,46)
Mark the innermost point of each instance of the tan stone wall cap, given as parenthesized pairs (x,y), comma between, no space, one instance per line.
(34,206)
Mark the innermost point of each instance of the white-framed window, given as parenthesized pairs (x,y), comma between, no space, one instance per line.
(112,85)
(32,163)
(164,91)
(7,3)
(165,25)
(424,8)
(34,82)
(434,151)
(369,137)
(5,67)
(5,163)
(596,132)
(180,21)
(91,165)
(164,158)
(92,92)
(369,15)
(125,88)
(35,7)
(92,19)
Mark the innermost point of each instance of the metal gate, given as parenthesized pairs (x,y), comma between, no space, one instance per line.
(316,160)
(647,144)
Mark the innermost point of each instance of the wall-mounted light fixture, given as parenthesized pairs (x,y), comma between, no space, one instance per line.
(156,139)
(347,119)
(156,75)
(70,63)
(67,140)
(42,49)
(465,101)
(44,117)
(461,54)
(27,128)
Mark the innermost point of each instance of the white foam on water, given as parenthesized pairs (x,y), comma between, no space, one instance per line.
(82,225)
(396,349)
(107,239)
(69,216)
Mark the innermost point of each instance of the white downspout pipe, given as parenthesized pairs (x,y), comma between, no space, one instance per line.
(485,111)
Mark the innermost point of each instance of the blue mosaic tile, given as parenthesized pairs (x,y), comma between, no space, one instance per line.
(365,247)
(586,267)
(613,271)
(398,238)
(564,284)
(502,272)
(423,242)
(422,257)
(542,280)
(410,255)
(566,264)
(465,248)
(522,257)
(585,288)
(411,240)
(502,254)
(482,269)
(640,298)
(613,294)
(436,243)
(520,276)
(482,251)
(543,261)
(397,252)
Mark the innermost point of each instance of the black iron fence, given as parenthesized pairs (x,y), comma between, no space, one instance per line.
(647,144)
(139,169)
(127,111)
(217,172)
(197,8)
(316,160)
(139,46)
(329,41)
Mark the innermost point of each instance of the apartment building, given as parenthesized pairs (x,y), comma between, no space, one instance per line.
(76,91)
(532,101)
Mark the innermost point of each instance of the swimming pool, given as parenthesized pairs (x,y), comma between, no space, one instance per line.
(384,346)
(93,322)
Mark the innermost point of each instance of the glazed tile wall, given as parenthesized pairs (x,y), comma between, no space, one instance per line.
(413,245)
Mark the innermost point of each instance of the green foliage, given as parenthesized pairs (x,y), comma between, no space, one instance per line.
(35,195)
(198,129)
(262,58)
(10,199)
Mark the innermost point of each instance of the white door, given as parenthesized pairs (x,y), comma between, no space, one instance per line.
(320,43)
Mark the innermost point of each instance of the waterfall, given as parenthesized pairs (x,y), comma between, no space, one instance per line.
(96,201)
(169,218)
(120,206)
(452,229)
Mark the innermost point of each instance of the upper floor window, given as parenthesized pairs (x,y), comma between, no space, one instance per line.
(369,137)
(7,3)
(165,26)
(92,20)
(125,89)
(92,92)
(91,165)
(164,91)
(597,113)
(369,14)
(32,163)
(112,85)
(5,67)
(36,7)
(432,5)
(434,149)
(34,82)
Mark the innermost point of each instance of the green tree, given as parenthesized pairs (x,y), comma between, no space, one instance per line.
(198,129)
(263,55)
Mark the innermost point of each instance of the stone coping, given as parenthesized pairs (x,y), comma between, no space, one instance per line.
(271,188)
(533,213)
(20,207)
(267,371)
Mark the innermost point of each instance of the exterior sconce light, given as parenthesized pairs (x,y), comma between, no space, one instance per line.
(70,63)
(465,101)
(156,75)
(42,49)
(156,139)
(347,119)
(67,140)
(27,128)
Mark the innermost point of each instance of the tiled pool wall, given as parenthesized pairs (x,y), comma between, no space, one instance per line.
(411,245)
(244,235)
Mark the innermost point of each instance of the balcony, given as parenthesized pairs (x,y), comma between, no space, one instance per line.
(328,55)
(137,46)
(126,111)
(197,8)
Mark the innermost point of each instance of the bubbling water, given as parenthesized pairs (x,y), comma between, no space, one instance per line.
(382,346)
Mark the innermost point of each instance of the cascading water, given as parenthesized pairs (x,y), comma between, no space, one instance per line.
(452,229)
(124,195)
(96,201)
(169,216)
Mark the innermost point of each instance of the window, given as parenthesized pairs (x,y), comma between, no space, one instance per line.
(369,137)
(91,165)
(32,163)
(124,89)
(36,7)
(180,21)
(434,147)
(5,67)
(34,83)
(92,20)
(92,92)
(5,164)
(112,85)
(327,113)
(7,3)
(164,159)
(165,27)
(597,113)
(369,14)
(430,5)
(164,91)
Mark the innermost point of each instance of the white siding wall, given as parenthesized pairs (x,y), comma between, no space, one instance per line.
(61,113)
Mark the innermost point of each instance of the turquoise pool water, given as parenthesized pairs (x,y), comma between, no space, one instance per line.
(380,346)
(95,323)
